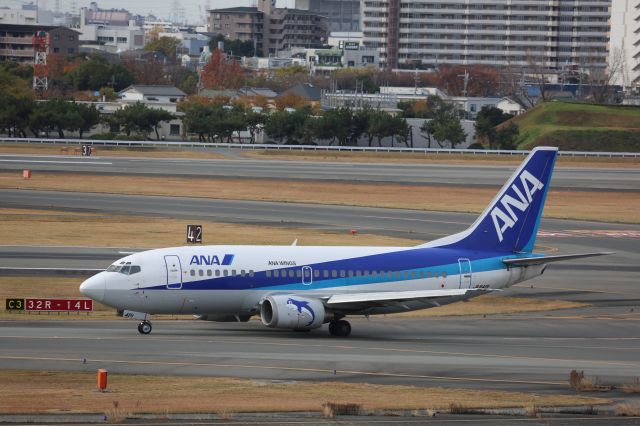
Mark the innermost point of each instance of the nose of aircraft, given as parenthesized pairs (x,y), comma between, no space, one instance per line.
(94,287)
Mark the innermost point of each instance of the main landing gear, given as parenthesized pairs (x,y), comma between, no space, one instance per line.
(339,328)
(144,327)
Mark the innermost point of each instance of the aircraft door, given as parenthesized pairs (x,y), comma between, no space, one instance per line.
(174,272)
(307,275)
(465,272)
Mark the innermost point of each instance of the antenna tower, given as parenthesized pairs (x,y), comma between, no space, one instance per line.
(40,42)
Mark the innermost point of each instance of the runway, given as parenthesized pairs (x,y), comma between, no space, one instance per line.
(523,353)
(443,174)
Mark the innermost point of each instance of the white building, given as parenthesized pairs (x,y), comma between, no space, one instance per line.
(624,47)
(165,97)
(114,35)
(26,15)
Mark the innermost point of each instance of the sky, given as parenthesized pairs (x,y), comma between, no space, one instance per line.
(160,8)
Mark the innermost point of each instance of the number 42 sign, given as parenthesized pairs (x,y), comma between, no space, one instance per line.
(194,234)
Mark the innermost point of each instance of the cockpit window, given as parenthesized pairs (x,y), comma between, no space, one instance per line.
(124,268)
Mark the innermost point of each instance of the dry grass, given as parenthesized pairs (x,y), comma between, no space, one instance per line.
(99,151)
(491,305)
(627,409)
(76,392)
(574,204)
(632,387)
(581,383)
(52,228)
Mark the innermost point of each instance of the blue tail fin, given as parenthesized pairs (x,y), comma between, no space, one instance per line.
(510,222)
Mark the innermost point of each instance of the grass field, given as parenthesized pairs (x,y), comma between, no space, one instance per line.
(564,204)
(60,392)
(582,127)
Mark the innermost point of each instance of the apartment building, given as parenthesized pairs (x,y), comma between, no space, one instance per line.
(272,29)
(343,15)
(517,33)
(16,41)
(624,49)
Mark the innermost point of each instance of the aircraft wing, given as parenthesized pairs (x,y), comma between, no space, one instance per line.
(539,260)
(389,298)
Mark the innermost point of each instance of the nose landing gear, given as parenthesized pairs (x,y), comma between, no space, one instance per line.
(144,327)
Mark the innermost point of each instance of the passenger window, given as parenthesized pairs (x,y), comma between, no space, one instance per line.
(436,274)
(251,273)
(413,275)
(299,273)
(201,273)
(325,273)
(421,274)
(291,274)
(366,273)
(350,273)
(242,273)
(444,274)
(429,274)
(316,274)
(334,273)
(225,273)
(217,272)
(342,273)
(209,273)
(233,272)
(268,274)
(276,273)
(193,272)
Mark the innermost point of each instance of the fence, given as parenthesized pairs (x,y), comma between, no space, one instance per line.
(176,145)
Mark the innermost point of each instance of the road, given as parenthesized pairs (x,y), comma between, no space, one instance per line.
(444,174)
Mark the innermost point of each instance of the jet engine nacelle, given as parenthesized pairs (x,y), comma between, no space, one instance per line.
(292,312)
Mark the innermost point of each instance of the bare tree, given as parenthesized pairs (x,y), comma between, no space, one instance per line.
(601,79)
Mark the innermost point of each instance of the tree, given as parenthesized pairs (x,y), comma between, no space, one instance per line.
(13,85)
(290,100)
(289,125)
(486,121)
(481,80)
(235,47)
(445,126)
(335,124)
(221,73)
(96,73)
(145,71)
(15,114)
(167,45)
(506,136)
(155,116)
(88,115)
(255,122)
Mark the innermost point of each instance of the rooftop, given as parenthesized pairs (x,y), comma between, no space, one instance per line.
(155,90)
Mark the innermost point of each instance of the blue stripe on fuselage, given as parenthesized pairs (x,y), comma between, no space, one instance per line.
(413,260)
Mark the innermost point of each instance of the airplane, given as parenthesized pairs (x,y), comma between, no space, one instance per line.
(303,287)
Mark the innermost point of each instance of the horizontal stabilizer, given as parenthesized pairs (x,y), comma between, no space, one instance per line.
(396,296)
(540,260)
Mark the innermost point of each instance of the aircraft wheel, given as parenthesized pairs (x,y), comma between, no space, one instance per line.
(144,327)
(339,328)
